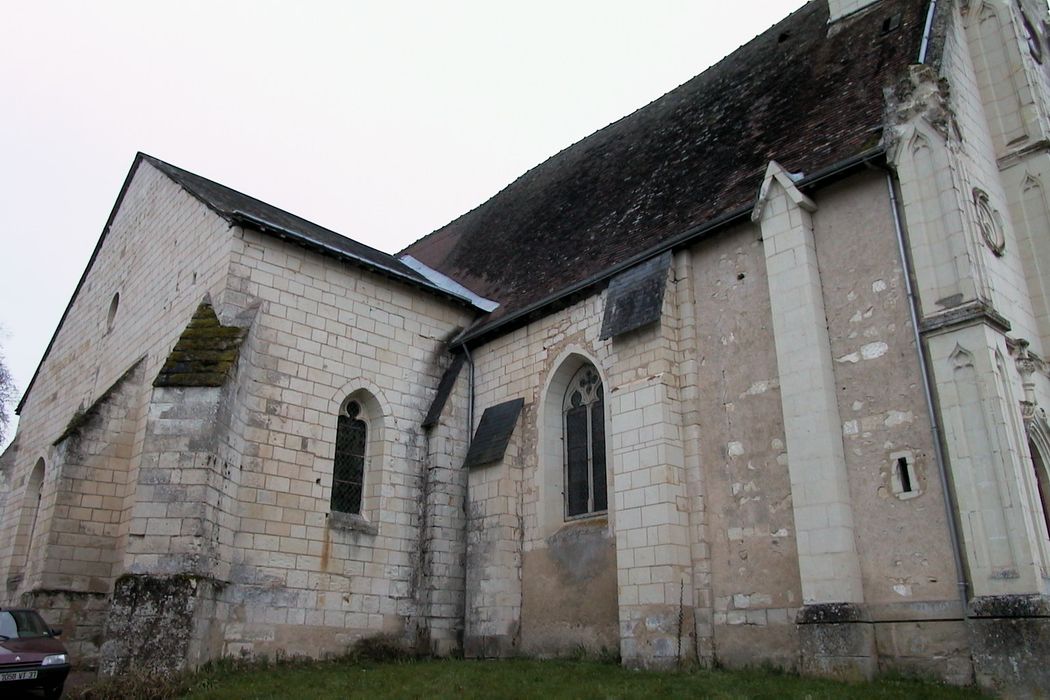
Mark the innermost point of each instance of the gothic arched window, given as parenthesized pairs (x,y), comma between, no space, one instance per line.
(1042,482)
(583,411)
(348,474)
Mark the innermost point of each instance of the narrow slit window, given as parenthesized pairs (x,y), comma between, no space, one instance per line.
(905,475)
(905,484)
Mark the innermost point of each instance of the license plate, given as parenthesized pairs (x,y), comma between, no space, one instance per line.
(18,676)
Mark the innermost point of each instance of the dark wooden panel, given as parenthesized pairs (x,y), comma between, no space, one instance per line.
(493,434)
(448,380)
(635,298)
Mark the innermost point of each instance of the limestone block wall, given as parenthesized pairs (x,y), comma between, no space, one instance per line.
(742,498)
(902,525)
(301,580)
(987,136)
(162,252)
(650,479)
(95,456)
(992,103)
(440,576)
(546,585)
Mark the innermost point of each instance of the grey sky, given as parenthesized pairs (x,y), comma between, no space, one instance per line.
(379,120)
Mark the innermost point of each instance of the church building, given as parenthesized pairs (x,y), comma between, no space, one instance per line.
(755,375)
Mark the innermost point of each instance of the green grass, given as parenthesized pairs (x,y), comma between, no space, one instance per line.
(463,680)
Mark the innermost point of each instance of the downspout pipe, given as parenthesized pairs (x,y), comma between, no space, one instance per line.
(950,505)
(927,31)
(470,395)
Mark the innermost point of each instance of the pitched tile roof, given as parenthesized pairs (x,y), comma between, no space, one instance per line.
(241,209)
(805,93)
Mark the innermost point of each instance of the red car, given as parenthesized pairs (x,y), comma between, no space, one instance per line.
(31,656)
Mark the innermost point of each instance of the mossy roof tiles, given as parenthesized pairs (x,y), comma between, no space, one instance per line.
(805,93)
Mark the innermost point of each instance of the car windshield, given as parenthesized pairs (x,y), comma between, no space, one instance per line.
(21,624)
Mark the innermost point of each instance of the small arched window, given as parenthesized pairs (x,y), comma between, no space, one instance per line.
(351,442)
(583,412)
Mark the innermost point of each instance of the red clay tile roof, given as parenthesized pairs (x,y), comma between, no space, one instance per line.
(805,93)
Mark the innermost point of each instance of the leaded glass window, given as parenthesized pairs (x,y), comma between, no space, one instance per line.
(583,411)
(348,473)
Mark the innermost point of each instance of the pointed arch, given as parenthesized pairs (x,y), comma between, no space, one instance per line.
(29,517)
(993,55)
(1034,235)
(573,479)
(960,357)
(1039,450)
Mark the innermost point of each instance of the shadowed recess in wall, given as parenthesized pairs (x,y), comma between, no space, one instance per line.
(204,353)
(493,434)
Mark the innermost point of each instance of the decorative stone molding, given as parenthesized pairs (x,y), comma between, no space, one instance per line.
(990,223)
(1028,364)
(964,315)
(922,93)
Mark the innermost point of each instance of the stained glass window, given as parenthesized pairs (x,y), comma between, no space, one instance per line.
(583,411)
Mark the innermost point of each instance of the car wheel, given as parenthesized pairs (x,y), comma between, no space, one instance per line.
(53,693)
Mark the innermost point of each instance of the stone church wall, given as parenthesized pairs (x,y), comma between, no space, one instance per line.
(302,581)
(529,569)
(103,336)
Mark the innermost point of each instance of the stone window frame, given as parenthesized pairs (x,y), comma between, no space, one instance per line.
(1038,434)
(348,463)
(550,476)
(369,412)
(585,392)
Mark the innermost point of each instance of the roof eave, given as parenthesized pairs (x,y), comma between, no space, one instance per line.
(246,220)
(812,182)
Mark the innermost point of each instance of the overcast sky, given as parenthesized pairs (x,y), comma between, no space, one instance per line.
(381,120)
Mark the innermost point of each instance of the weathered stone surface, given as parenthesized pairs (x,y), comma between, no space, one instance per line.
(837,640)
(152,623)
(1011,644)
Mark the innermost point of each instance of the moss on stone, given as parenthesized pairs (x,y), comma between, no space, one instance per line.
(204,353)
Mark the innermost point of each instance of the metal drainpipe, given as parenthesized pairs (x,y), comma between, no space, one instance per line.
(470,428)
(926,31)
(938,446)
(470,396)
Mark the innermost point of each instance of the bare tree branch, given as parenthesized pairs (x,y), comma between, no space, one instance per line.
(7,396)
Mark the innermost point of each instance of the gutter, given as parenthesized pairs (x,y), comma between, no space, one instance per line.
(691,235)
(927,31)
(251,221)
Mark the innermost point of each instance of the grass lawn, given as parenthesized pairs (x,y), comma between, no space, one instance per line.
(516,679)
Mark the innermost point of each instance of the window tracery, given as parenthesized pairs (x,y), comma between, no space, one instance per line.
(583,422)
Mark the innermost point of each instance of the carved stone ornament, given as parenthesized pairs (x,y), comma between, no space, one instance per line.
(990,222)
(1028,364)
